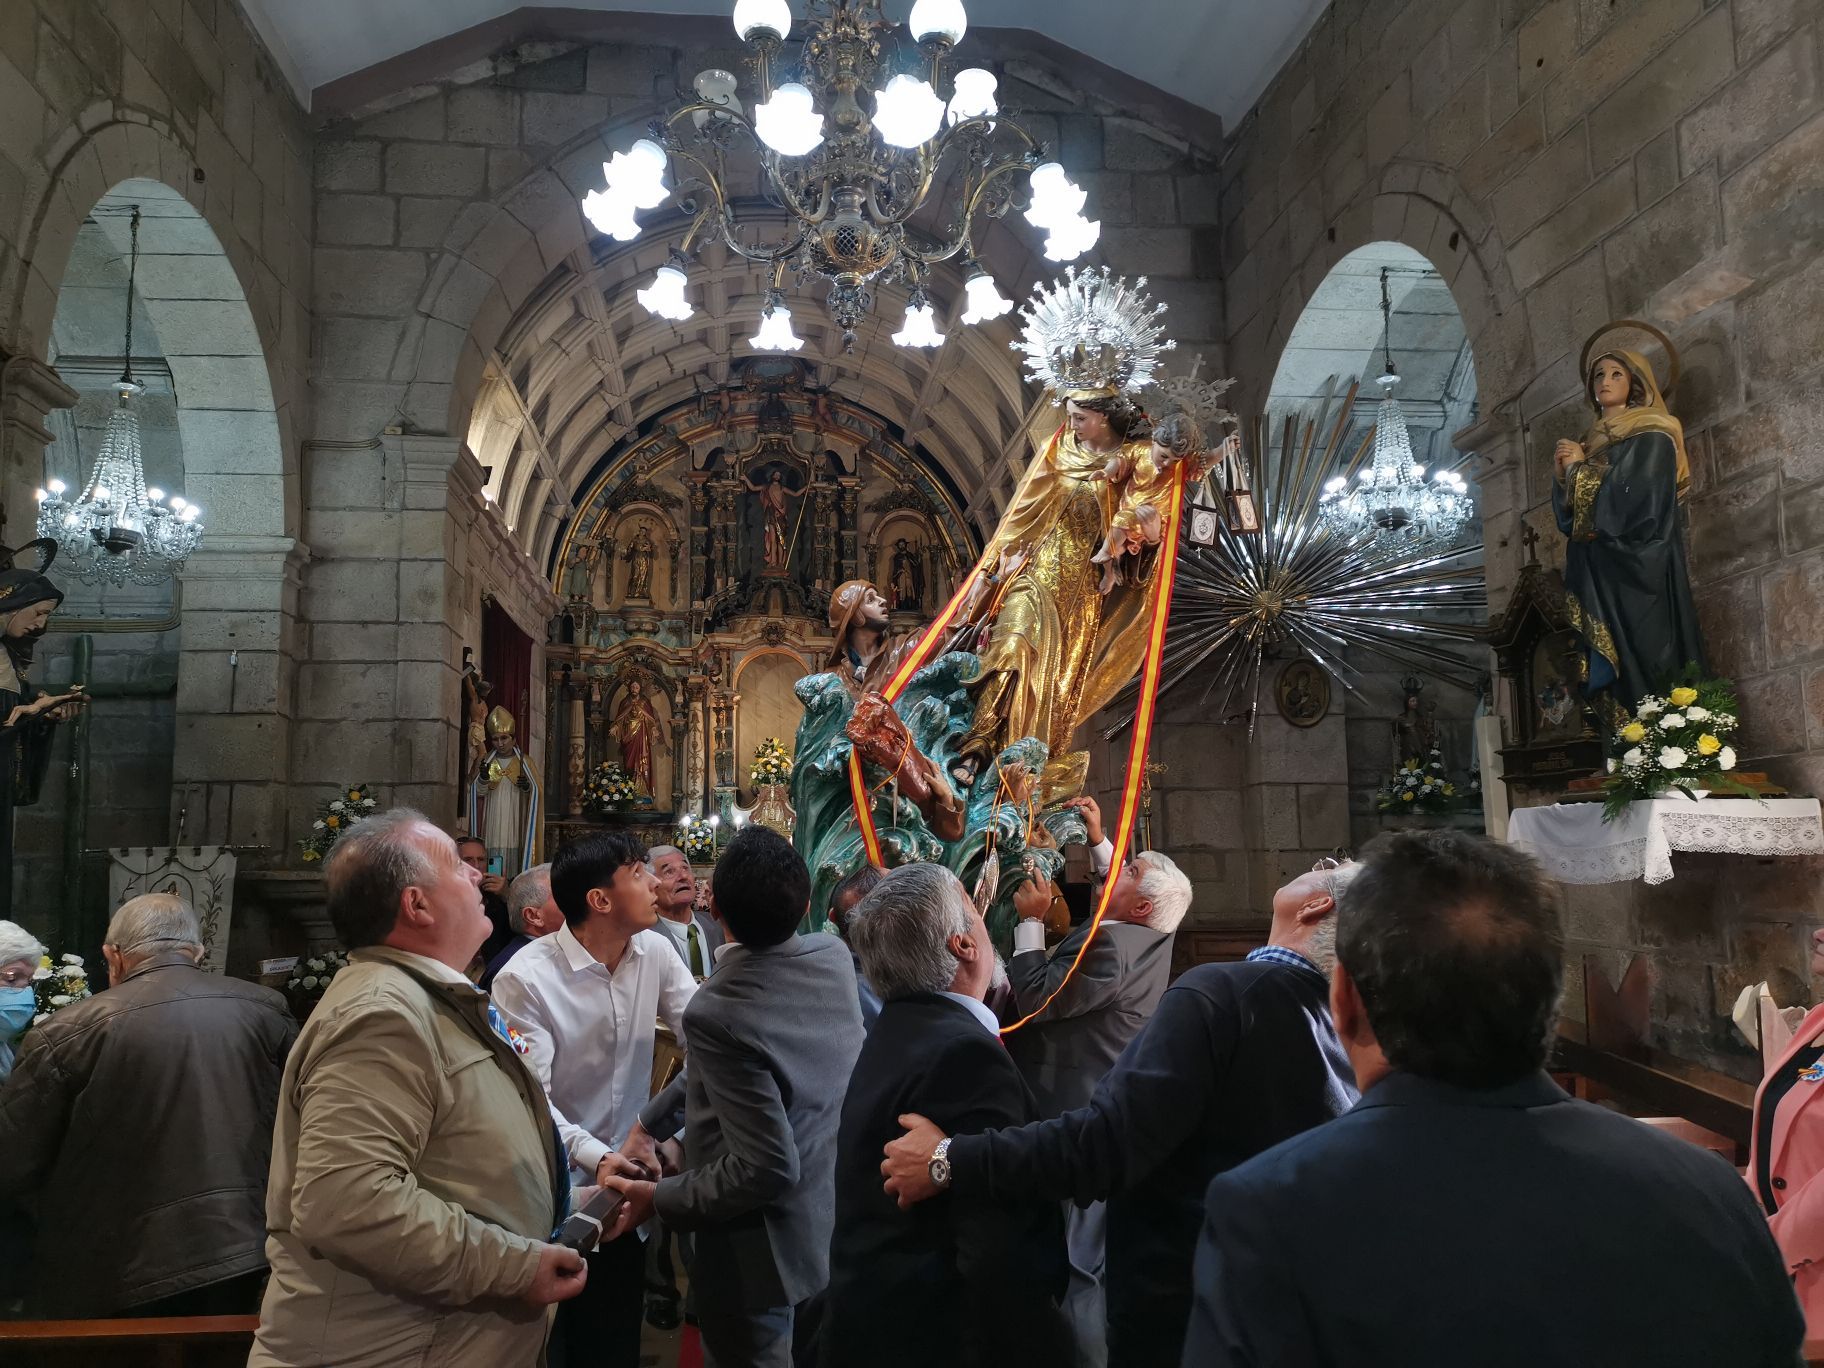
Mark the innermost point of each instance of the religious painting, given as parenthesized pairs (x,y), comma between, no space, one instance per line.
(1556,707)
(1302,693)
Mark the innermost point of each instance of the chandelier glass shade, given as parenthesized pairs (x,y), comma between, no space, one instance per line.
(117,531)
(1390,508)
(852,148)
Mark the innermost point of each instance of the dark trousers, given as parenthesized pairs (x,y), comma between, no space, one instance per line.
(601,1327)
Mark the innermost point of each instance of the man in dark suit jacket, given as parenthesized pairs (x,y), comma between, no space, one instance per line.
(1467,1210)
(963,1280)
(1236,1058)
(772,1034)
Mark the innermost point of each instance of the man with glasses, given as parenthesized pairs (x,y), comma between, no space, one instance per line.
(147,1111)
(1237,1057)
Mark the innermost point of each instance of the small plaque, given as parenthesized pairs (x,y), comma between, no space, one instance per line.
(282,965)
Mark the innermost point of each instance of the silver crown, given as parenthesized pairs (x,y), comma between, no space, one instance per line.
(1200,399)
(1092,331)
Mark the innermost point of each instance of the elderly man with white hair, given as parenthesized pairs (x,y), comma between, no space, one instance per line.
(20,955)
(144,1115)
(966,1279)
(1237,1058)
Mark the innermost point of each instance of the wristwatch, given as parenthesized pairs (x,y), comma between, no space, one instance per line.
(940,1163)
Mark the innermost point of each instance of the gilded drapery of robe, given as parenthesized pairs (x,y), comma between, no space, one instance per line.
(1627,591)
(1059,651)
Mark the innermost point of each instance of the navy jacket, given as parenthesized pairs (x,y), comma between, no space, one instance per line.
(959,1279)
(1236,1058)
(1506,1228)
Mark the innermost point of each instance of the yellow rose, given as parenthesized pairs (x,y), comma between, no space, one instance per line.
(310,855)
(1405,797)
(332,821)
(354,794)
(1708,744)
(1682,696)
(1634,731)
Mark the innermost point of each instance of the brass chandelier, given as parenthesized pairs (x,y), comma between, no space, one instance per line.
(850,160)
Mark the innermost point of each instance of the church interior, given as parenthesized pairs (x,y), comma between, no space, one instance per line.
(460,407)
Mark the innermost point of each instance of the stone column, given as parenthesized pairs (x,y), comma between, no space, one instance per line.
(239,642)
(29,390)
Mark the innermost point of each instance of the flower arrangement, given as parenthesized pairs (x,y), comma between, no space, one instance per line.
(1676,743)
(1418,786)
(610,788)
(771,764)
(697,839)
(310,979)
(57,985)
(334,817)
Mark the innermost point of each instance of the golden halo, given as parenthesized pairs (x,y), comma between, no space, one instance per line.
(1616,325)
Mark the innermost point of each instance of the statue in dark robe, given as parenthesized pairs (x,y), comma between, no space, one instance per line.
(1617,499)
(28,715)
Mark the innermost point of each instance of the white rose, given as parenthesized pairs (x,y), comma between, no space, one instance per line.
(72,959)
(41,1018)
(1632,757)
(1696,714)
(1649,707)
(1611,764)
(1725,758)
(1671,722)
(317,825)
(40,974)
(335,805)
(60,999)
(1672,757)
(310,981)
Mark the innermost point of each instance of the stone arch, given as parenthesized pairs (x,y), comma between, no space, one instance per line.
(110,145)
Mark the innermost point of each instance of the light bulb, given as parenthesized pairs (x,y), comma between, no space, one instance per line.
(611,214)
(177,503)
(943,19)
(789,122)
(69,520)
(907,112)
(715,819)
(717,87)
(189,513)
(41,495)
(155,496)
(985,300)
(752,16)
(775,333)
(974,95)
(1055,200)
(639,174)
(1335,484)
(103,493)
(665,296)
(920,328)
(1072,237)
(58,486)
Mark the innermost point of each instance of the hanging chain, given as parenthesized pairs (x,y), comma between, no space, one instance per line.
(126,375)
(1387,323)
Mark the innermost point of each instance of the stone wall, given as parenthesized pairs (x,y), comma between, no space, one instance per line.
(1564,163)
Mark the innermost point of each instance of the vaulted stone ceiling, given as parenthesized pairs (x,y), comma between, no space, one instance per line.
(1215,54)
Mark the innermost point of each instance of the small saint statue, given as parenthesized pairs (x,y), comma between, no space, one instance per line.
(1415,730)
(1617,499)
(579,571)
(639,555)
(28,716)
(908,578)
(637,730)
(503,799)
(775,505)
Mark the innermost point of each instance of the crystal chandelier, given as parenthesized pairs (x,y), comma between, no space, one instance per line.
(117,530)
(1390,509)
(851,159)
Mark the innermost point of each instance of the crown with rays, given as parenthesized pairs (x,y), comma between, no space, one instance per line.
(1200,400)
(1092,335)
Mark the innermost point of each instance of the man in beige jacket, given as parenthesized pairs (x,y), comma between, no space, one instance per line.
(416,1179)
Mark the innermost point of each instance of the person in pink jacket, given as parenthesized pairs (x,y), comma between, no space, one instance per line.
(1786,1154)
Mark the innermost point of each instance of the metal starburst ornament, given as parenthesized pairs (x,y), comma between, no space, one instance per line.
(1300,586)
(1092,333)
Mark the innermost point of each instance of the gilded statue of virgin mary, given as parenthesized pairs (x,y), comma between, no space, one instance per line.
(1059,648)
(1617,500)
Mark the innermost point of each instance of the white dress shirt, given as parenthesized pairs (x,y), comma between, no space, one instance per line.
(680,937)
(591,1031)
(977,1009)
(1029,932)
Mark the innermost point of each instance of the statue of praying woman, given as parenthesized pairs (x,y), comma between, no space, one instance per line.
(1616,498)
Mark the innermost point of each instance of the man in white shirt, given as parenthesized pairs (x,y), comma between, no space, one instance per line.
(696,937)
(585,1000)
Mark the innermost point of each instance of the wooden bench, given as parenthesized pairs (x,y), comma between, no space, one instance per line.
(176,1342)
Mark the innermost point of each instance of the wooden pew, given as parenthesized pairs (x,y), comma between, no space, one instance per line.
(176,1342)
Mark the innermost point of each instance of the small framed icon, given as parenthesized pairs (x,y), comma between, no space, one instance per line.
(1243,515)
(1204,526)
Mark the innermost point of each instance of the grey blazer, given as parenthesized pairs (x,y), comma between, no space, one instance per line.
(1064,1053)
(711,931)
(773,1035)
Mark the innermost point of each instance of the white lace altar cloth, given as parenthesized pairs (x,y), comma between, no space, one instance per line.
(1577,847)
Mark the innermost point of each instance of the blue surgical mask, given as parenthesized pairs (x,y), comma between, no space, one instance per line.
(17,1008)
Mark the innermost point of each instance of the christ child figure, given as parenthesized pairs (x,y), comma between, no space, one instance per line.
(1136,490)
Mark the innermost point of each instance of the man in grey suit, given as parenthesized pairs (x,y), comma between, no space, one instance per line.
(696,937)
(1100,1005)
(773,1038)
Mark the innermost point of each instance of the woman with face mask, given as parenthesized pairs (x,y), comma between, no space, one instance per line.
(20,954)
